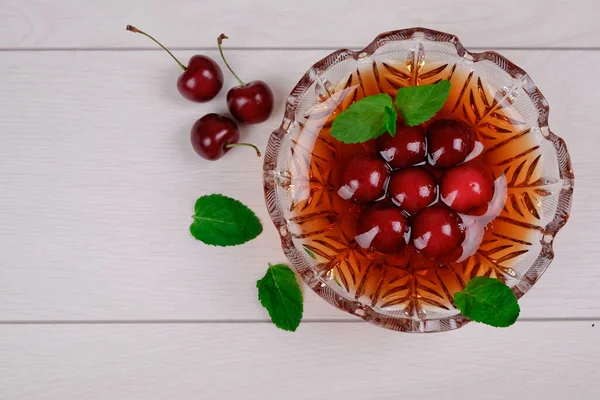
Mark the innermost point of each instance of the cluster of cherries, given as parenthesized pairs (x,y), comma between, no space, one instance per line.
(213,135)
(415,188)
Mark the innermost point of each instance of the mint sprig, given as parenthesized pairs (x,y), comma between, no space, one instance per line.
(364,120)
(418,104)
(222,221)
(391,120)
(489,301)
(280,294)
(372,116)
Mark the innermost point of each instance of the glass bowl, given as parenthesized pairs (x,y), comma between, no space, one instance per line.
(510,116)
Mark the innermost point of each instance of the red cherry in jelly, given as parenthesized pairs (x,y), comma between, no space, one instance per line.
(214,135)
(449,142)
(382,227)
(406,148)
(412,189)
(249,103)
(369,146)
(437,232)
(364,178)
(467,187)
(201,80)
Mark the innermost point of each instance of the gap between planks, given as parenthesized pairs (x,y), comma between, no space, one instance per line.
(280,48)
(241,321)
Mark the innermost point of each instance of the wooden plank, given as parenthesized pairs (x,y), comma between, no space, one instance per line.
(99,182)
(552,361)
(310,23)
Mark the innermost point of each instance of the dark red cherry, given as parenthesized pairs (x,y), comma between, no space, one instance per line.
(214,135)
(449,142)
(201,80)
(363,179)
(406,148)
(437,232)
(412,189)
(382,227)
(467,187)
(369,146)
(249,103)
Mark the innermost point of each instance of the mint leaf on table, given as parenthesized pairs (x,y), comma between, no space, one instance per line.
(418,104)
(364,120)
(280,294)
(222,221)
(489,301)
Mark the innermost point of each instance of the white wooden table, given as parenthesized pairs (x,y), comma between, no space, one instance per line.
(103,294)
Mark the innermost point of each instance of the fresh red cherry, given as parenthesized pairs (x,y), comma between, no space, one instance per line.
(249,103)
(406,148)
(467,187)
(363,179)
(382,227)
(214,135)
(449,142)
(201,80)
(437,232)
(412,189)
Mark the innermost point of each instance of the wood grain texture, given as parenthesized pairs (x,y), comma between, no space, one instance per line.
(552,361)
(310,23)
(99,182)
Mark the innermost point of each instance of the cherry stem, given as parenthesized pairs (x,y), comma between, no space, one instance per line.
(220,42)
(136,30)
(230,145)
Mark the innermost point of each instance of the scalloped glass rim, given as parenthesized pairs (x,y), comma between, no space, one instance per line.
(304,267)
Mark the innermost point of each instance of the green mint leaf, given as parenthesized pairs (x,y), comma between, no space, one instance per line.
(310,253)
(390,122)
(280,294)
(489,301)
(364,120)
(222,221)
(338,282)
(418,104)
